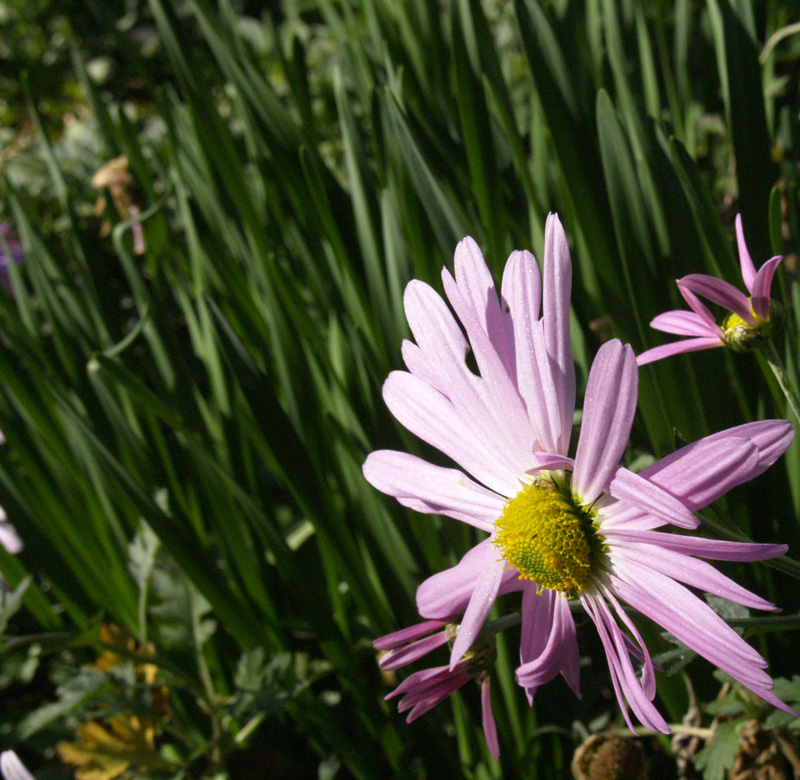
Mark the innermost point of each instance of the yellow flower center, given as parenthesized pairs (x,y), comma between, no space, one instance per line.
(548,537)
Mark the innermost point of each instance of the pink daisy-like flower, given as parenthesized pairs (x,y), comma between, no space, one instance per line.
(561,527)
(751,320)
(425,689)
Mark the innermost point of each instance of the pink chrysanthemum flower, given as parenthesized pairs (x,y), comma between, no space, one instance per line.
(751,321)
(561,527)
(425,689)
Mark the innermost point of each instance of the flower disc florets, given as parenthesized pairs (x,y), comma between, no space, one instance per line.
(743,336)
(548,536)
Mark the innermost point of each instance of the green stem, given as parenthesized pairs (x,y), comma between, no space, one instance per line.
(776,364)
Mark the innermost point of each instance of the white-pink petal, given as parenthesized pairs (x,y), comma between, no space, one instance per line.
(475,282)
(483,597)
(608,410)
(556,319)
(448,592)
(648,497)
(430,489)
(431,416)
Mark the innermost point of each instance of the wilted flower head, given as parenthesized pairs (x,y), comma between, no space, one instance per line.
(752,320)
(560,527)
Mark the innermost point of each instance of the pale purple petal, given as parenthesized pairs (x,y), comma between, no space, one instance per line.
(477,286)
(771,437)
(428,414)
(690,620)
(628,688)
(745,261)
(487,718)
(436,696)
(555,315)
(505,408)
(448,592)
(685,323)
(544,409)
(648,497)
(547,646)
(636,647)
(608,410)
(688,570)
(698,307)
(677,348)
(430,489)
(402,656)
(700,474)
(9,537)
(483,597)
(408,634)
(545,461)
(12,768)
(425,679)
(762,287)
(720,292)
(712,549)
(521,292)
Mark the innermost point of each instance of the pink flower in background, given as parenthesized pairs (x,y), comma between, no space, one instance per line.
(560,528)
(425,689)
(751,319)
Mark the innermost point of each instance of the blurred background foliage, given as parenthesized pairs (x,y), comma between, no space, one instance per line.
(220,204)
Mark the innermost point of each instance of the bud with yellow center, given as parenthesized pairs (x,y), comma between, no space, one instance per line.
(548,537)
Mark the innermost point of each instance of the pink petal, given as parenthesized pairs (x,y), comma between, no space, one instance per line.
(491,403)
(685,323)
(487,718)
(402,656)
(690,620)
(608,410)
(555,315)
(700,474)
(762,287)
(9,537)
(745,261)
(648,497)
(548,646)
(534,371)
(481,601)
(437,695)
(678,347)
(409,634)
(697,306)
(430,489)
(626,685)
(721,292)
(688,570)
(477,286)
(506,410)
(428,414)
(448,592)
(12,768)
(713,549)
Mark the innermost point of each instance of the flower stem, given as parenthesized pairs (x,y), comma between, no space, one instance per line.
(776,364)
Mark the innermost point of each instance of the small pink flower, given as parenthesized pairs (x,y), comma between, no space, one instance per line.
(751,319)
(425,689)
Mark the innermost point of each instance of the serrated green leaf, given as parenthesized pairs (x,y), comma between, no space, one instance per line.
(717,757)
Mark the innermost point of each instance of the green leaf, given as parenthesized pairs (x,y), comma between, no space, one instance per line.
(717,757)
